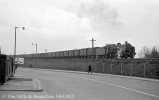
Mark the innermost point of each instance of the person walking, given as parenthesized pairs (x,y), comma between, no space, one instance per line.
(89,69)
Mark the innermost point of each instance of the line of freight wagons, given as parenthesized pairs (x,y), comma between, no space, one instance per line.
(108,51)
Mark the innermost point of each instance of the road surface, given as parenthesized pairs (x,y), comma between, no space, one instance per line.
(75,86)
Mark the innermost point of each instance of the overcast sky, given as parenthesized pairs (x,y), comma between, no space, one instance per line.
(58,25)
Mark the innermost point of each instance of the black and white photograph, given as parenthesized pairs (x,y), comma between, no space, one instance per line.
(79,49)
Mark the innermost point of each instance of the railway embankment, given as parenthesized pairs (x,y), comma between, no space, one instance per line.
(148,68)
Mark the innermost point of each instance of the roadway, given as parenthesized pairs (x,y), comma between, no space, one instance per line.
(76,86)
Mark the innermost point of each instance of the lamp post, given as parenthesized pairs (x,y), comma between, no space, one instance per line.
(36,52)
(16,39)
(0,50)
(16,44)
(24,55)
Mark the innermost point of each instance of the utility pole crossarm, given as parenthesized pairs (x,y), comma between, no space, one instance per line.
(92,42)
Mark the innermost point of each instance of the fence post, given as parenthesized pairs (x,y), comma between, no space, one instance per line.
(121,69)
(103,68)
(144,69)
(131,69)
(72,63)
(95,67)
(111,68)
(72,66)
(77,67)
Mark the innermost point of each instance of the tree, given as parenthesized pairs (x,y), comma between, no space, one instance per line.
(144,53)
(149,53)
(154,53)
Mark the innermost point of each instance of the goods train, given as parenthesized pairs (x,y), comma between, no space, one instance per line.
(110,51)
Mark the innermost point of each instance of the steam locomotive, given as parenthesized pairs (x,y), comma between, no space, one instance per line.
(116,51)
(110,51)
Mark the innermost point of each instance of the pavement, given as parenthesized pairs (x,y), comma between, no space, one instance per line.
(21,83)
(21,87)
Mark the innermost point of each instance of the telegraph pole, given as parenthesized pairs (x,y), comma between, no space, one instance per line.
(45,50)
(93,53)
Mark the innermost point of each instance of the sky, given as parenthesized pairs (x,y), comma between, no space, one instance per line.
(57,25)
